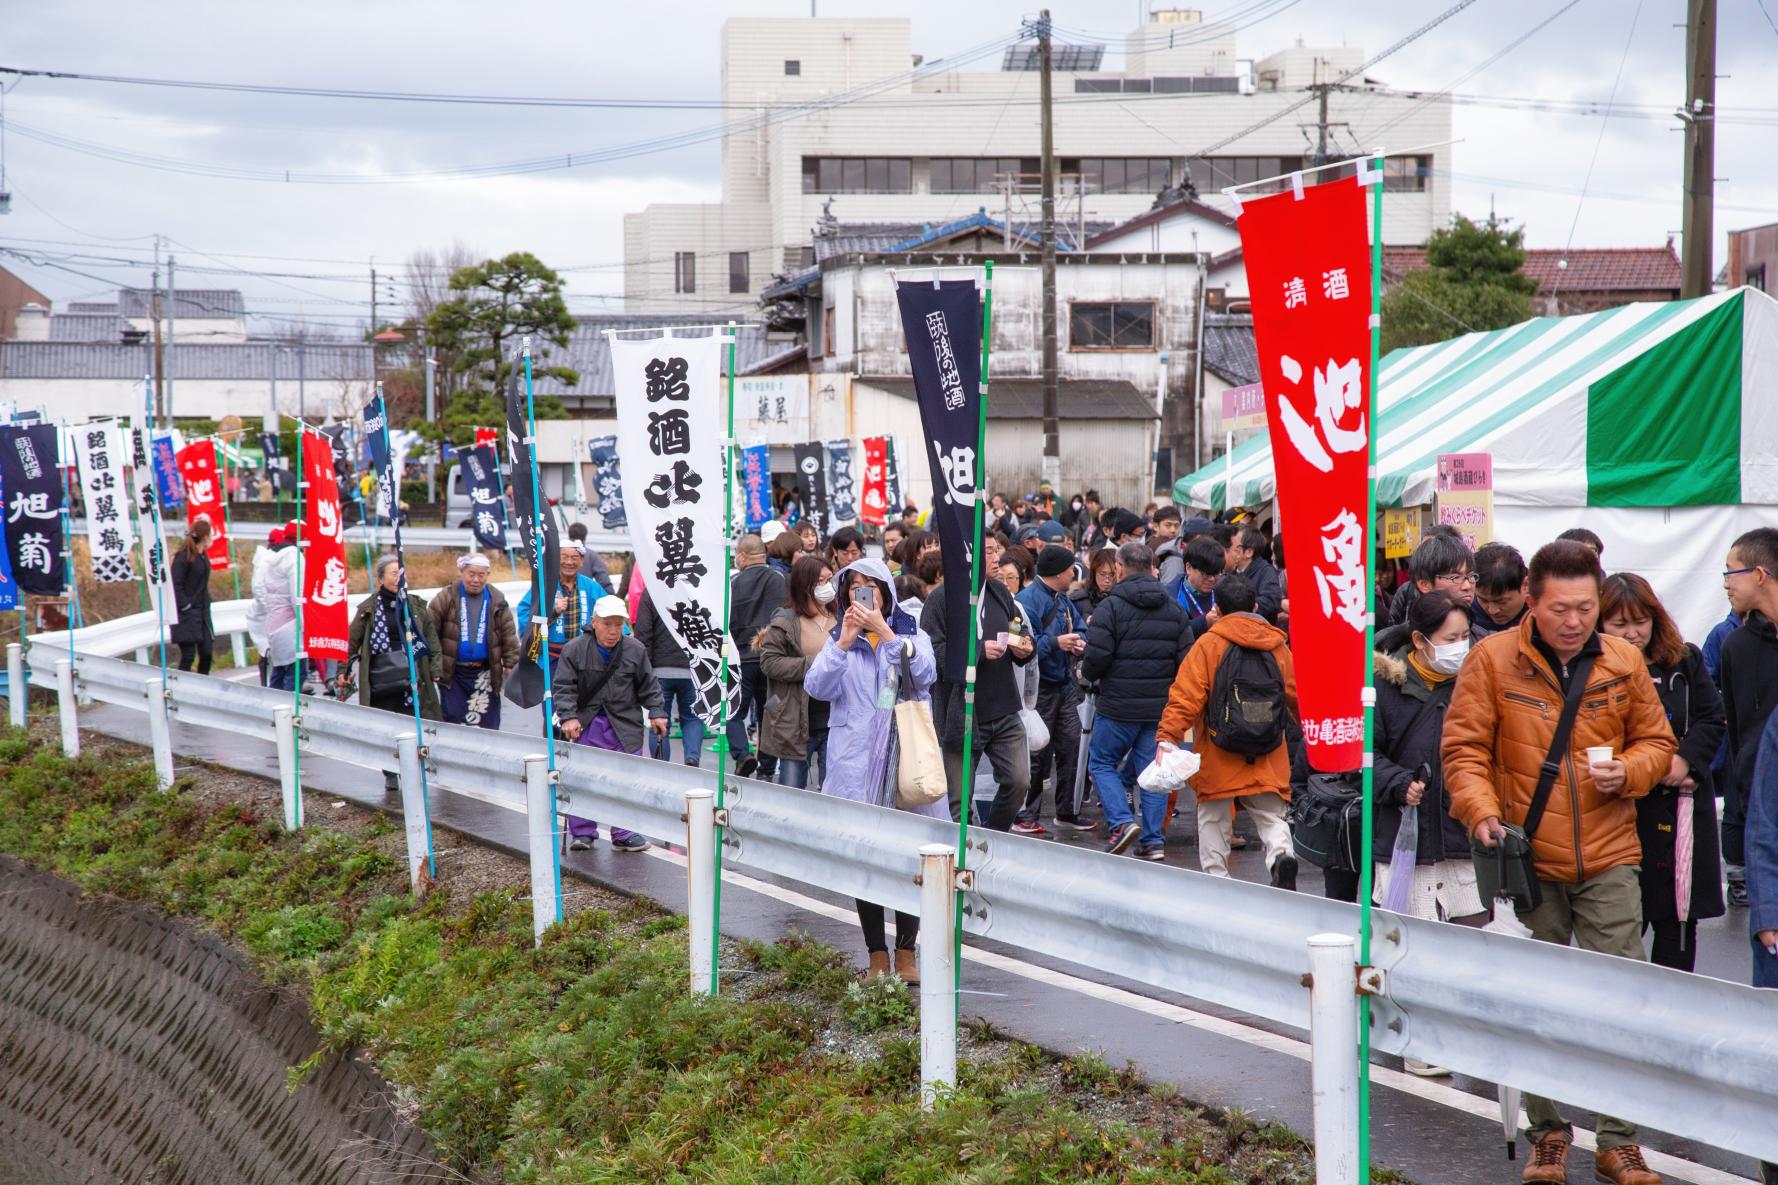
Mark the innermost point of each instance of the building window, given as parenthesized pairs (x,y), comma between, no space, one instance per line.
(1407,174)
(971,174)
(685,271)
(1111,325)
(1211,174)
(739,272)
(858,174)
(1139,174)
(1755,277)
(792,67)
(827,343)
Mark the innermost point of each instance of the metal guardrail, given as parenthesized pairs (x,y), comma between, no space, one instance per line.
(1685,1053)
(422,538)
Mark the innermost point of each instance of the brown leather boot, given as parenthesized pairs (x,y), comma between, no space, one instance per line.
(1624,1166)
(907,968)
(879,964)
(1549,1159)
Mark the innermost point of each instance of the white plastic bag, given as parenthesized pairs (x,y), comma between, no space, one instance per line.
(1037,733)
(1170,770)
(1506,920)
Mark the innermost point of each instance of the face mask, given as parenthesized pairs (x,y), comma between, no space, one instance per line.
(824,593)
(1448,657)
(1077,506)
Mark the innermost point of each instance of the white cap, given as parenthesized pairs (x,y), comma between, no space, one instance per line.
(609,606)
(474,559)
(770,530)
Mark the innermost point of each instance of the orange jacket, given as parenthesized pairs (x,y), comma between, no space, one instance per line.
(1222,774)
(1498,730)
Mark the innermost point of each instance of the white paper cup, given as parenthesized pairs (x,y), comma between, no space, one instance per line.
(1598,755)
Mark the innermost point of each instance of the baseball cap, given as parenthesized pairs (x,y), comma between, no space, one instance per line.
(609,606)
(1051,531)
(770,530)
(1195,526)
(1029,531)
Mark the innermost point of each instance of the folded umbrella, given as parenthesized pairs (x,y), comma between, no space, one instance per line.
(1683,840)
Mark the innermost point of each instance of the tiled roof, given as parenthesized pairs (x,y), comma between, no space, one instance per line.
(192,303)
(1590,269)
(245,360)
(1022,399)
(1229,348)
(92,306)
(86,327)
(1148,217)
(589,352)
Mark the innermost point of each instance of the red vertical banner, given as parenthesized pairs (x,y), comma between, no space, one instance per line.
(1307,254)
(204,495)
(874,500)
(324,553)
(486,436)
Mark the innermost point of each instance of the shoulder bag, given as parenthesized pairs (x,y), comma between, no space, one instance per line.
(920,774)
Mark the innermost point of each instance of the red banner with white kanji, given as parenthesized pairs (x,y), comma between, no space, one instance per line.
(204,495)
(874,501)
(1307,254)
(487,436)
(325,619)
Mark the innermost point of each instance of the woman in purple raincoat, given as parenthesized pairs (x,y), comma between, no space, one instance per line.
(863,652)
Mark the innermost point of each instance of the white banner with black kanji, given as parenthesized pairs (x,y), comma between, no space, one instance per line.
(99,450)
(145,490)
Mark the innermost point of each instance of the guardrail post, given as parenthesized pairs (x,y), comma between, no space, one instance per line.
(413,806)
(284,731)
(160,733)
(18,687)
(65,707)
(700,888)
(238,649)
(142,655)
(938,1002)
(1333,1056)
(540,814)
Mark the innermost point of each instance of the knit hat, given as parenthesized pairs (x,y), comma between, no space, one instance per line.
(1054,560)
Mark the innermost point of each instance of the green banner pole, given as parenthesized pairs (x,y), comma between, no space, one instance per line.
(302,589)
(970,643)
(728,570)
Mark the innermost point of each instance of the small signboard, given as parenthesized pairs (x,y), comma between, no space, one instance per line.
(1243,408)
(1465,495)
(1401,532)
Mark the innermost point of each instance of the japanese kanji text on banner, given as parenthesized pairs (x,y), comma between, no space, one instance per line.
(669,418)
(100,451)
(33,489)
(324,554)
(154,536)
(1308,269)
(204,495)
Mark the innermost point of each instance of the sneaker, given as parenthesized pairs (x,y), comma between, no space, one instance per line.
(1122,837)
(1028,827)
(1152,851)
(1420,1069)
(1075,823)
(1624,1166)
(693,763)
(1284,872)
(1737,895)
(1549,1159)
(581,843)
(745,765)
(627,841)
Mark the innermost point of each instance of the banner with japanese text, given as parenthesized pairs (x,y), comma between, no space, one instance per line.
(1308,269)
(892,474)
(943,323)
(608,482)
(166,475)
(33,492)
(530,512)
(670,406)
(487,509)
(204,495)
(811,483)
(756,480)
(324,615)
(842,489)
(99,451)
(145,493)
(874,502)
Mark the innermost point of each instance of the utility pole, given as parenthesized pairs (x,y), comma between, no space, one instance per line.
(1321,89)
(373,322)
(172,346)
(1696,277)
(1052,437)
(160,357)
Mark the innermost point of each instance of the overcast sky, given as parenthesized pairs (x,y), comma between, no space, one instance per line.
(1531,164)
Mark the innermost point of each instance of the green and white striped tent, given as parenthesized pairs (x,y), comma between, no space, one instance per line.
(1654,424)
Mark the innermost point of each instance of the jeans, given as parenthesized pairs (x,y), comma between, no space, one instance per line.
(691,729)
(1002,742)
(752,707)
(281,678)
(796,773)
(1113,742)
(1059,706)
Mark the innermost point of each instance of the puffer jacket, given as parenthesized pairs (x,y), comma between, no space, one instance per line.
(503,633)
(1222,774)
(1498,730)
(784,721)
(1409,719)
(664,650)
(1135,640)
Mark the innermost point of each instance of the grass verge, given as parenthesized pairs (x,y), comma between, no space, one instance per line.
(586,1060)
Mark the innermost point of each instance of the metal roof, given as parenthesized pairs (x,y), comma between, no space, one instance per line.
(244,360)
(92,306)
(86,327)
(1229,348)
(589,352)
(1022,398)
(187,303)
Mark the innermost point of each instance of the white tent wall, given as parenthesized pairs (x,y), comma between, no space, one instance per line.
(1680,550)
(1759,403)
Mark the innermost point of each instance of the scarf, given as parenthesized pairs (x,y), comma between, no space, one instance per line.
(379,623)
(1431,677)
(475,650)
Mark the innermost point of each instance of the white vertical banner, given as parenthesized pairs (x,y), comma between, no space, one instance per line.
(99,450)
(154,536)
(671,410)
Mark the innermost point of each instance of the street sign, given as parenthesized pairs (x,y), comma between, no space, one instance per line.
(1243,408)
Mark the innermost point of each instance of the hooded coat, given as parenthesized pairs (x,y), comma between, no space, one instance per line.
(271,619)
(858,731)
(1135,641)
(1695,712)
(1409,720)
(1222,774)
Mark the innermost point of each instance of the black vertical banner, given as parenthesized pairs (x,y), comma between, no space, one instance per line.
(943,323)
(892,479)
(33,508)
(532,514)
(811,483)
(487,510)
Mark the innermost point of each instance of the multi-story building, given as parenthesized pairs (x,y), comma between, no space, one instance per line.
(841,120)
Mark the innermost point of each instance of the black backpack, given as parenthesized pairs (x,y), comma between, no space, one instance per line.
(1247,710)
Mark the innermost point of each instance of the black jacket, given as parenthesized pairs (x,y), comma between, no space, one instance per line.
(1084,598)
(1409,721)
(1135,642)
(758,592)
(1481,624)
(191,592)
(1748,674)
(997,681)
(1266,587)
(1695,710)
(663,649)
(1402,601)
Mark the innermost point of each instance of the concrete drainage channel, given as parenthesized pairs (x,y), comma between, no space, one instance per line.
(139,1048)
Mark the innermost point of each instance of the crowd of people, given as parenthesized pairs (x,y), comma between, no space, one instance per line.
(1543,725)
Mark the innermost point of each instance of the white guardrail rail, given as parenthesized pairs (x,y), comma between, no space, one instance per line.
(356,535)
(1686,1054)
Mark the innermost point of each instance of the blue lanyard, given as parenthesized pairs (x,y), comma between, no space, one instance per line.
(477,649)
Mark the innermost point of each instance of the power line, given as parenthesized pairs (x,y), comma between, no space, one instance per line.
(1597,144)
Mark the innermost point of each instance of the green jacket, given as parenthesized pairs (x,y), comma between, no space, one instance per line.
(425,668)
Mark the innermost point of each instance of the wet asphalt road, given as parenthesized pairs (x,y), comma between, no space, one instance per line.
(1443,1130)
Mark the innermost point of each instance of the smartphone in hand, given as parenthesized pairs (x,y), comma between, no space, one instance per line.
(865,596)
